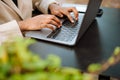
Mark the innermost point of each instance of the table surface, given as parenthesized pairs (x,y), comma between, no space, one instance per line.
(96,45)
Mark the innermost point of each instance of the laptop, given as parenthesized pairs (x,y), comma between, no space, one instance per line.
(69,34)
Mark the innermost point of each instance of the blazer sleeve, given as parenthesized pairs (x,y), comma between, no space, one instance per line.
(42,5)
(9,30)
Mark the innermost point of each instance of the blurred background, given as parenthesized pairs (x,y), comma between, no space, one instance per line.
(106,3)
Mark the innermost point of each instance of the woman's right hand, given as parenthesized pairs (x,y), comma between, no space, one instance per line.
(39,22)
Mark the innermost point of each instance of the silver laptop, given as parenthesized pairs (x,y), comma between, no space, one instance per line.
(69,34)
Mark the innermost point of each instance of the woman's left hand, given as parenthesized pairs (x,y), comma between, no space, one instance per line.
(59,11)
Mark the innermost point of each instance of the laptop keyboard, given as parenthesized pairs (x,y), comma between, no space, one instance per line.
(67,32)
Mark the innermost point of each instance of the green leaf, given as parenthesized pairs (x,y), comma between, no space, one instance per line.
(117,51)
(94,67)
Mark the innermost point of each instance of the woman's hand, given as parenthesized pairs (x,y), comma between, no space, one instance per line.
(39,22)
(59,11)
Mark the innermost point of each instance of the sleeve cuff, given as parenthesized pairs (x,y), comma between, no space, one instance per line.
(44,5)
(9,30)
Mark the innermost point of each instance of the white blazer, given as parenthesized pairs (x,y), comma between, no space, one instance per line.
(10,14)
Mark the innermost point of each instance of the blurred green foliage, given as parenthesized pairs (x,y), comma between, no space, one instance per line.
(17,62)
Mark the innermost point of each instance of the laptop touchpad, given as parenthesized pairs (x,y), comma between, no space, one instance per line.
(39,33)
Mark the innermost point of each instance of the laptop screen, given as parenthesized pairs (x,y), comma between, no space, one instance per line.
(91,12)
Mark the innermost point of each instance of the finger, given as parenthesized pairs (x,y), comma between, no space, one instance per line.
(74,10)
(54,23)
(49,26)
(69,17)
(59,14)
(57,20)
(45,26)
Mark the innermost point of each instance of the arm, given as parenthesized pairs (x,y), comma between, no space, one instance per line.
(55,9)
(12,29)
(9,31)
(43,5)
(47,21)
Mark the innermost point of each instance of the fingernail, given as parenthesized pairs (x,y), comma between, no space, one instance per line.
(72,21)
(60,26)
(76,18)
(61,15)
(60,23)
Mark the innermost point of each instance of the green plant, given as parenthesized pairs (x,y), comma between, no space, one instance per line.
(17,62)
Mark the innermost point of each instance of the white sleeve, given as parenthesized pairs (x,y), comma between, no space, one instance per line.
(43,5)
(9,30)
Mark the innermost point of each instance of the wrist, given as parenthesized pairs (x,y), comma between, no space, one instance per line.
(52,6)
(20,23)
